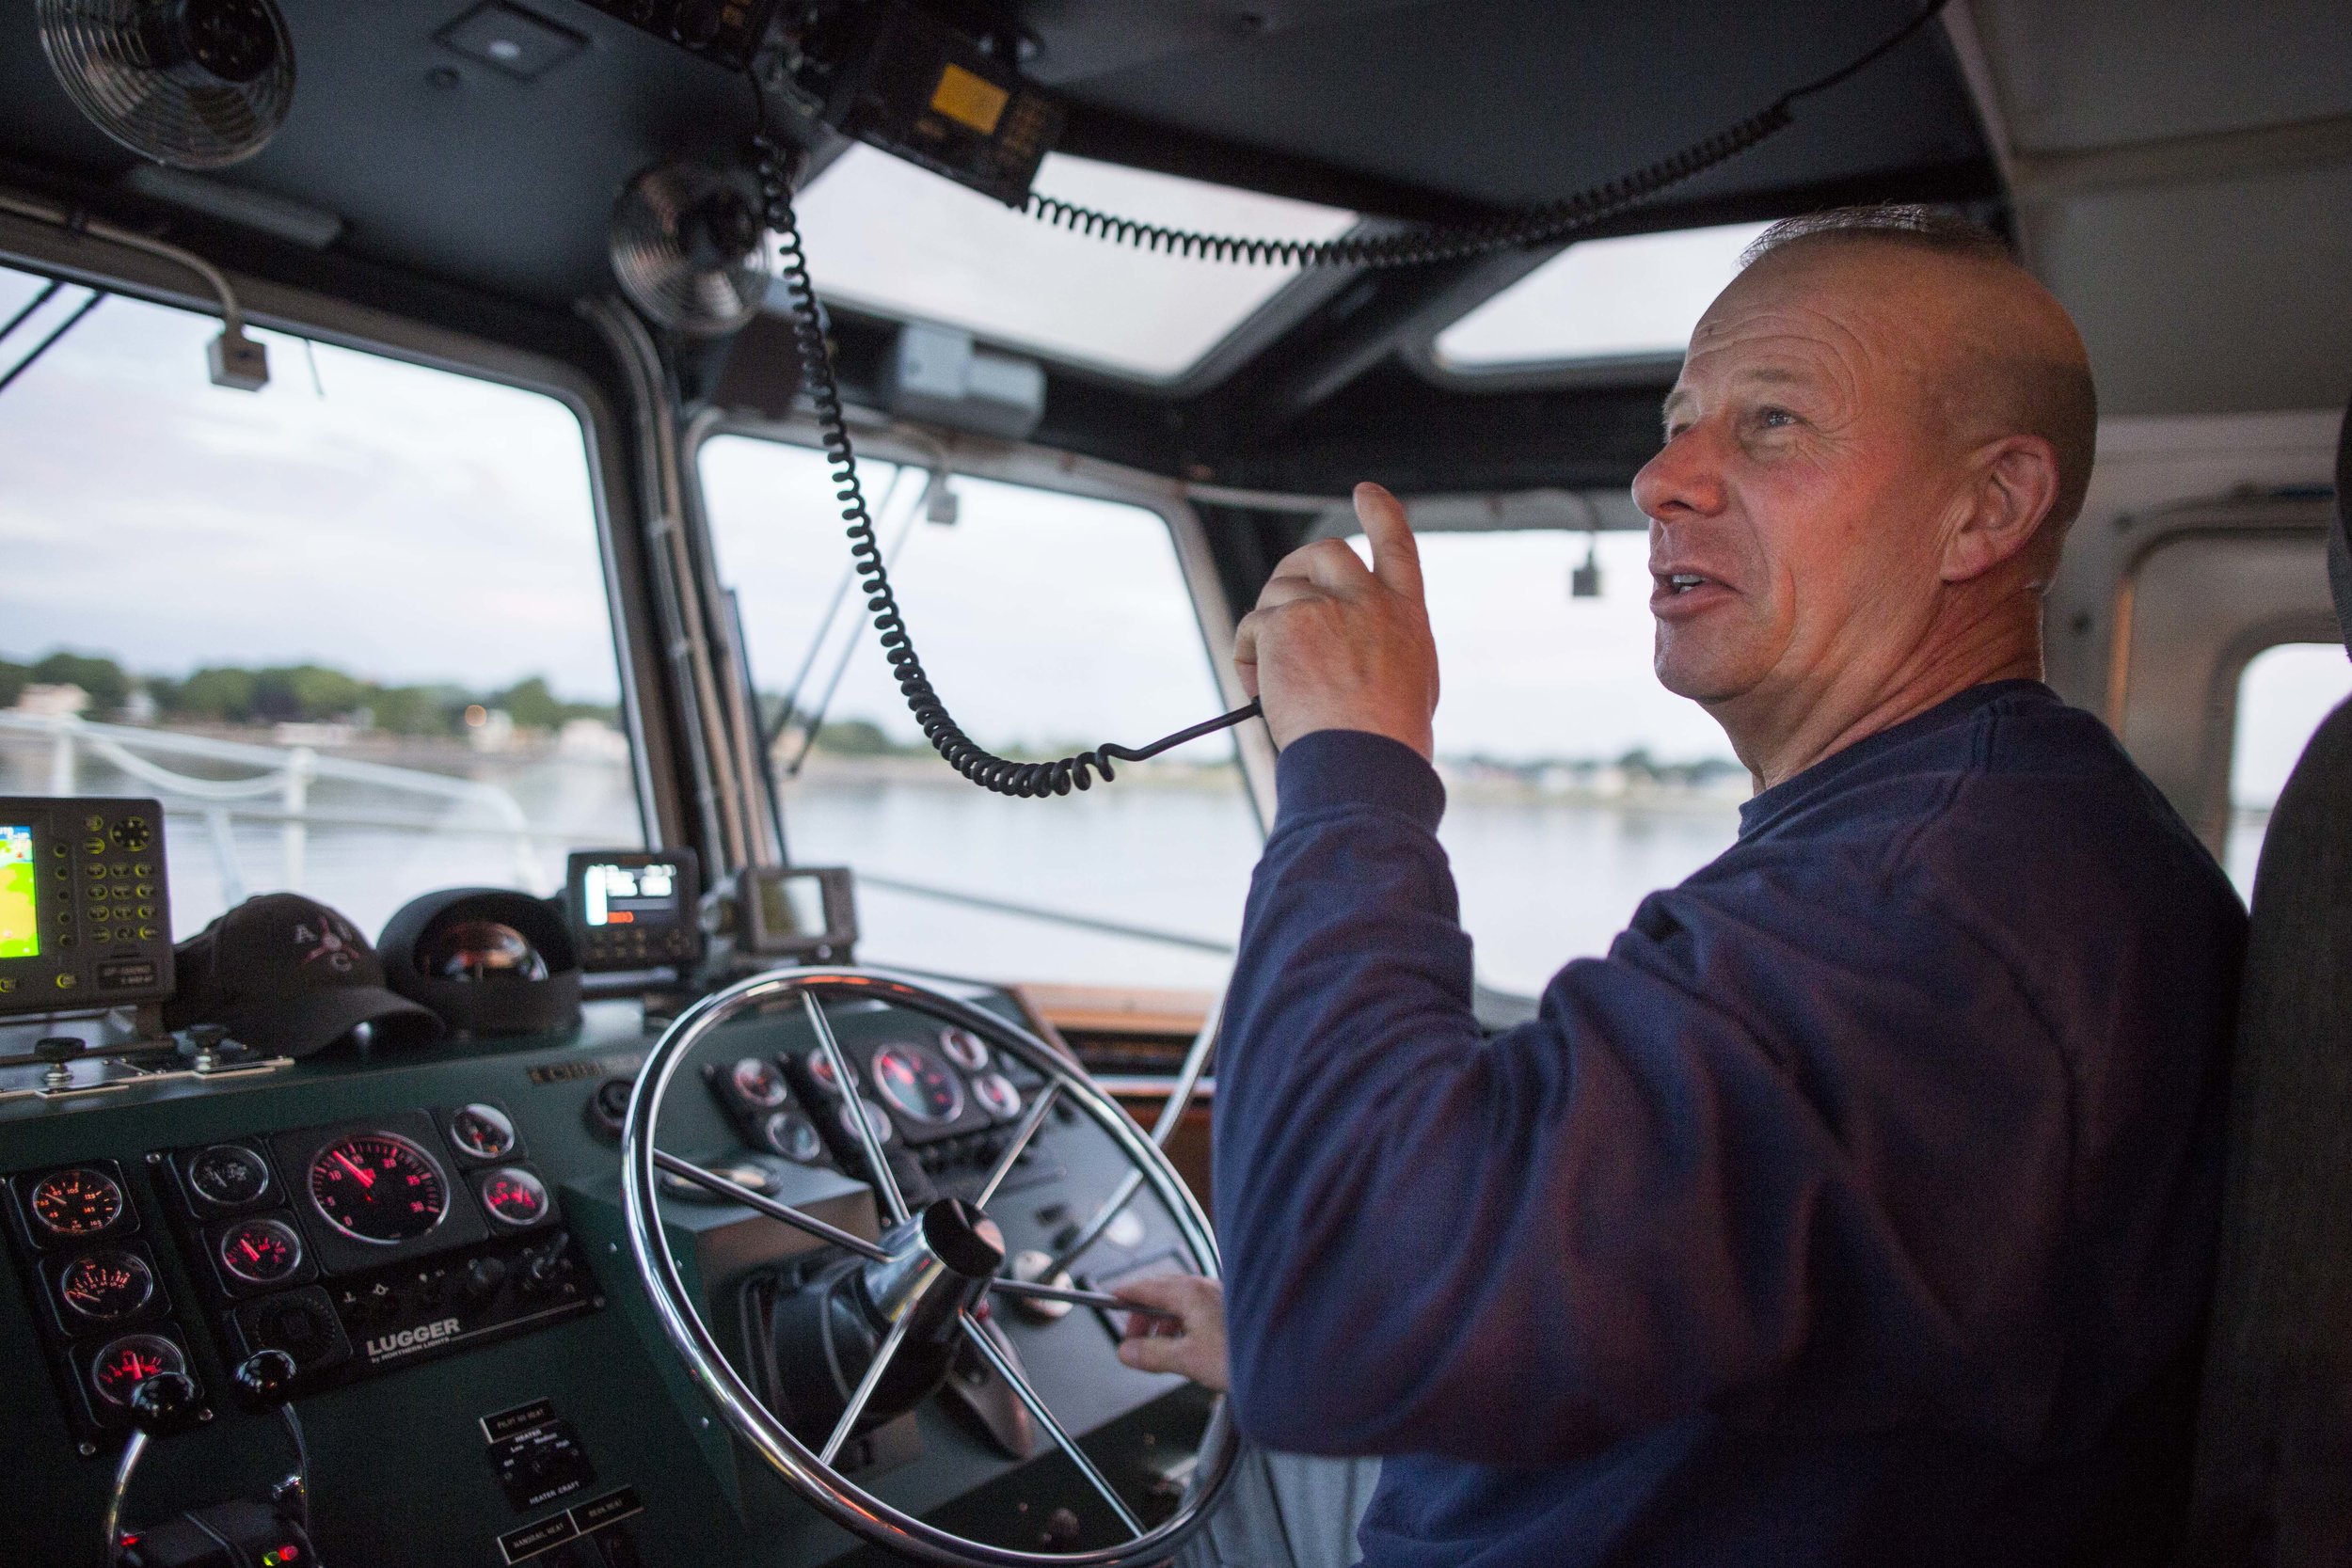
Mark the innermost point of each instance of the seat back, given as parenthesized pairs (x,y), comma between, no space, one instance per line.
(2274,1449)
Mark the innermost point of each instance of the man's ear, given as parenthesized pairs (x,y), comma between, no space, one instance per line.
(2013,483)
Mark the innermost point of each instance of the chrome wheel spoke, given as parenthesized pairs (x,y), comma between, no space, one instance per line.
(994,1356)
(1093,1230)
(1022,1134)
(866,1386)
(1076,1297)
(735,1192)
(885,1183)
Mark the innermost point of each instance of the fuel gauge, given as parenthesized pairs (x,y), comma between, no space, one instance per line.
(105,1287)
(513,1196)
(260,1252)
(127,1362)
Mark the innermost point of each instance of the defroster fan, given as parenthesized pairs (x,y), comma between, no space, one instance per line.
(196,83)
(686,247)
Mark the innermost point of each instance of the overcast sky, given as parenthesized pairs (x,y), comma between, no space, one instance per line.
(408,525)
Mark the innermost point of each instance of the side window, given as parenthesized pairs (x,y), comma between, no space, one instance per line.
(2281,697)
(1047,623)
(351,630)
(1575,782)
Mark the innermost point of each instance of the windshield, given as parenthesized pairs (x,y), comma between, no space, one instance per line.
(351,629)
(1575,782)
(1048,621)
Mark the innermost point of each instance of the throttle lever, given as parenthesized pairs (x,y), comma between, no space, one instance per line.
(158,1401)
(267,1377)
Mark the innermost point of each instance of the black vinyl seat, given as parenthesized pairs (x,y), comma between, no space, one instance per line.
(2274,1451)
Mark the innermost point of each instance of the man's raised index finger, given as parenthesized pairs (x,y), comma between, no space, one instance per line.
(1395,556)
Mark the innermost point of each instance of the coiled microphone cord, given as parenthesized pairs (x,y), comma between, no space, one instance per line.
(1537,225)
(1416,248)
(965,755)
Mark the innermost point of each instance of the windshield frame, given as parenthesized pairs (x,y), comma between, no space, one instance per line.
(1037,469)
(643,702)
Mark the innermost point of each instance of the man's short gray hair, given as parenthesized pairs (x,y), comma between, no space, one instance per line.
(1935,229)
(2053,399)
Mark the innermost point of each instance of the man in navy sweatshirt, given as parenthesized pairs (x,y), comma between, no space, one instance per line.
(1858,1206)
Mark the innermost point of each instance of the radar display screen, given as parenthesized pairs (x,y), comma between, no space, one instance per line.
(20,932)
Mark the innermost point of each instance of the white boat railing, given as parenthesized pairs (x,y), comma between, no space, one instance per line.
(278,791)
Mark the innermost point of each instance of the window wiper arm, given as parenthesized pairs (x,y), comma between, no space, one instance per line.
(51,342)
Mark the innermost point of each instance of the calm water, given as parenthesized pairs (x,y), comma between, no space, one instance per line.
(1541,881)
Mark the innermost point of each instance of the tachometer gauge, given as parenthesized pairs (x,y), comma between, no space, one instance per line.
(484,1131)
(228,1175)
(79,1202)
(757,1080)
(378,1187)
(260,1252)
(964,1048)
(995,1091)
(792,1136)
(127,1362)
(106,1286)
(513,1196)
(923,1087)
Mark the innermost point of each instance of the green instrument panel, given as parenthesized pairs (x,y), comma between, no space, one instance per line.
(534,1432)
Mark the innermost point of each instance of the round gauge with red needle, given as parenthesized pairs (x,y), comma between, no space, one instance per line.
(484,1131)
(921,1087)
(260,1252)
(757,1081)
(77,1202)
(378,1187)
(513,1196)
(105,1287)
(995,1091)
(127,1362)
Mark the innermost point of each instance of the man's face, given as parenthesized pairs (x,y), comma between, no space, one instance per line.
(1792,530)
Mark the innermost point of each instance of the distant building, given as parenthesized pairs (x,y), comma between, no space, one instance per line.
(52,701)
(591,741)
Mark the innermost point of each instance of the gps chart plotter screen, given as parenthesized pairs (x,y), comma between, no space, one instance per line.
(20,932)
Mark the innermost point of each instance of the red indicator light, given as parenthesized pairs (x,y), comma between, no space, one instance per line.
(620,917)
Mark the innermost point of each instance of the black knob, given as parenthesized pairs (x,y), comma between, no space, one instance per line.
(268,1376)
(58,1048)
(160,1399)
(483,1276)
(207,1036)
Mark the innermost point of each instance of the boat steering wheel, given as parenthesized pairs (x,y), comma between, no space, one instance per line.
(920,1288)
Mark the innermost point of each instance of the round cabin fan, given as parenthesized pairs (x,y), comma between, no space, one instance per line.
(686,247)
(196,83)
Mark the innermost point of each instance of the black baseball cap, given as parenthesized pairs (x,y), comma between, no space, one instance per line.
(287,975)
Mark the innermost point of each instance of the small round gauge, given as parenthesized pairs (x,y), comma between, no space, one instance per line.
(923,1087)
(260,1252)
(792,1136)
(78,1202)
(513,1196)
(106,1286)
(378,1187)
(757,1080)
(964,1048)
(876,1118)
(127,1362)
(820,1068)
(228,1175)
(995,1091)
(484,1131)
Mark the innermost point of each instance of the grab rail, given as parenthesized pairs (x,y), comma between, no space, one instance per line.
(286,773)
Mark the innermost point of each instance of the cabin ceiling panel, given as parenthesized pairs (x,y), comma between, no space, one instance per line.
(2220,297)
(2076,74)
(1513,102)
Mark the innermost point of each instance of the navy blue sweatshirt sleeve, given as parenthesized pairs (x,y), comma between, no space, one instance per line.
(1689,1184)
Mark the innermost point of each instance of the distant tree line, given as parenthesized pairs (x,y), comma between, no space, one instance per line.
(227,695)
